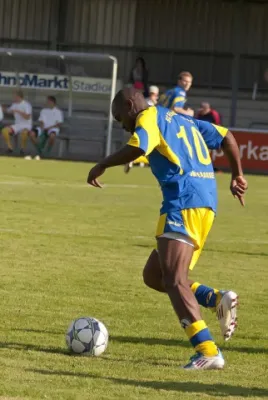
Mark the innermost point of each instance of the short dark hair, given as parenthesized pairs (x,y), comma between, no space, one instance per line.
(52,98)
(19,93)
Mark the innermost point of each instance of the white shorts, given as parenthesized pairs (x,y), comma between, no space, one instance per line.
(177,236)
(52,130)
(17,128)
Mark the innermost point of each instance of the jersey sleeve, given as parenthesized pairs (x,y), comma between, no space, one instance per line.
(147,134)
(212,134)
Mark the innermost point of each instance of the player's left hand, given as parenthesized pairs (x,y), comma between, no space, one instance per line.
(95,173)
(238,188)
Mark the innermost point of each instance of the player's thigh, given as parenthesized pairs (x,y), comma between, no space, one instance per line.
(175,258)
(9,129)
(19,128)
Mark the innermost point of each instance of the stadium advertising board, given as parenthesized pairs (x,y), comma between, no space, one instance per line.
(253,146)
(57,82)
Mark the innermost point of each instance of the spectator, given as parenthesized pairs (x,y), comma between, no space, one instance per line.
(175,98)
(50,121)
(153,96)
(22,112)
(206,113)
(1,113)
(139,76)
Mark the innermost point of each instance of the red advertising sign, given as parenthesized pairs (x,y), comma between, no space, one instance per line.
(253,146)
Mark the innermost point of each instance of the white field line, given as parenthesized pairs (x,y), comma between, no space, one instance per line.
(74,185)
(64,233)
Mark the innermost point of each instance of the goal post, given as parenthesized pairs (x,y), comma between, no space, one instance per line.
(13,60)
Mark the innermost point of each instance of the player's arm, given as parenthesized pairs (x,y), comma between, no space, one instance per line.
(180,110)
(239,184)
(178,104)
(219,137)
(23,114)
(140,143)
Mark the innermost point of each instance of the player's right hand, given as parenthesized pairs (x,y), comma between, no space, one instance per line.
(95,173)
(238,188)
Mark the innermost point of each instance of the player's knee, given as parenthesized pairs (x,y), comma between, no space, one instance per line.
(147,278)
(174,279)
(5,130)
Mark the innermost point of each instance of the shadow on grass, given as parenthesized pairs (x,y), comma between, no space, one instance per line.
(184,343)
(32,347)
(217,390)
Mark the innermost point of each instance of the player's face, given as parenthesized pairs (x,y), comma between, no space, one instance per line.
(17,98)
(125,115)
(50,103)
(154,97)
(185,82)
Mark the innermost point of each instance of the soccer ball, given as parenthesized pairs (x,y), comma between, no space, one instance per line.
(87,336)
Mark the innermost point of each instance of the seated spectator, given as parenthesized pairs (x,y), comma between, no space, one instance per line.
(139,76)
(153,96)
(22,112)
(50,121)
(206,113)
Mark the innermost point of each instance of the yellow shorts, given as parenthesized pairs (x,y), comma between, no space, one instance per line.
(193,224)
(141,159)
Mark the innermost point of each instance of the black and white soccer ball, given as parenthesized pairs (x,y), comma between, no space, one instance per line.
(87,336)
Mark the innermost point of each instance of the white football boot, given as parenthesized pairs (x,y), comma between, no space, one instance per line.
(226,312)
(199,361)
(28,158)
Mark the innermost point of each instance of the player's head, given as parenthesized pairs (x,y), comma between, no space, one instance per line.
(204,108)
(154,94)
(140,63)
(18,96)
(185,80)
(126,106)
(51,101)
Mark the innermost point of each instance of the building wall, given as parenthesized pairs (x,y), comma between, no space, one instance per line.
(197,35)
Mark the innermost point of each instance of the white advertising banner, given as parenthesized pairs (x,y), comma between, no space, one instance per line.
(57,82)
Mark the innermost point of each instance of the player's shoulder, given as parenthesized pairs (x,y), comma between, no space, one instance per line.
(149,114)
(179,91)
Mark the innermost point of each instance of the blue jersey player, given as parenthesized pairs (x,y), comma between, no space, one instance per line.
(176,97)
(178,150)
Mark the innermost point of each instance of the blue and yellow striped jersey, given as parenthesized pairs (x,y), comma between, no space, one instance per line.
(178,150)
(175,97)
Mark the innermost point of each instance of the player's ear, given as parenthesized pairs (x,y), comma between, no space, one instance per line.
(129,104)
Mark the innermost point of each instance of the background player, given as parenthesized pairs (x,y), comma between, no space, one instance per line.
(177,147)
(175,98)
(22,112)
(50,121)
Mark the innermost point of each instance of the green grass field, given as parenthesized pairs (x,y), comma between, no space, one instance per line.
(68,250)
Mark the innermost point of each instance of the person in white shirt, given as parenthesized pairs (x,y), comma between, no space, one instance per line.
(50,120)
(152,100)
(22,112)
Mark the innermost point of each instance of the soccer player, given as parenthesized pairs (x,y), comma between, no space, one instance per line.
(178,150)
(50,121)
(22,112)
(175,98)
